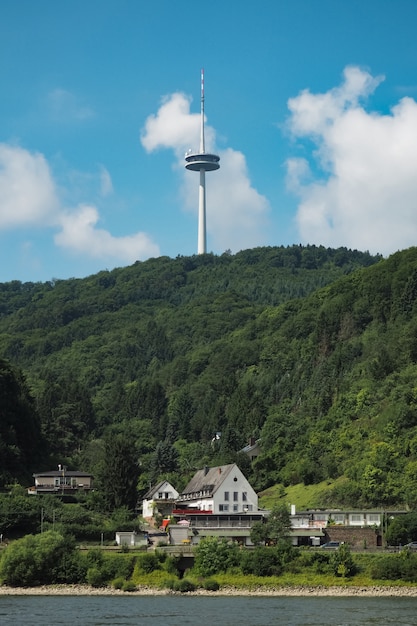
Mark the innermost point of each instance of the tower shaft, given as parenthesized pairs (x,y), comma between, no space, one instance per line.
(202,237)
(202,162)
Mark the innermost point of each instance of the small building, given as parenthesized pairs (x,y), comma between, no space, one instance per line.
(253,449)
(159,500)
(131,539)
(218,490)
(61,482)
(355,527)
(191,527)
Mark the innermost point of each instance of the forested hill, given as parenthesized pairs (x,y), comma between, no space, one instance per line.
(292,345)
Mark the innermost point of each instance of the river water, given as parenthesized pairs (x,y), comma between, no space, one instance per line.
(202,611)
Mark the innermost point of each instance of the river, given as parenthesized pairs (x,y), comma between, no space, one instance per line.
(202,610)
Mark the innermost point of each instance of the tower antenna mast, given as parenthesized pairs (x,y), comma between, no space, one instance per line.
(202,142)
(202,162)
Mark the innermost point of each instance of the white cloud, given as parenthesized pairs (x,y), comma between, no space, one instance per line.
(365,192)
(80,235)
(65,106)
(236,212)
(29,198)
(106,185)
(27,189)
(173,126)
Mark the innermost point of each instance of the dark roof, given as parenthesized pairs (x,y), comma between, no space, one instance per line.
(69,473)
(251,446)
(152,491)
(208,479)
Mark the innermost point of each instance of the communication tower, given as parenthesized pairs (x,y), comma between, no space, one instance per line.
(202,162)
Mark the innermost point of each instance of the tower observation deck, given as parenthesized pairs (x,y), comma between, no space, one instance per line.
(202,162)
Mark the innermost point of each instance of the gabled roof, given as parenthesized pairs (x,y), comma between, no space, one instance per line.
(68,473)
(251,446)
(209,479)
(153,490)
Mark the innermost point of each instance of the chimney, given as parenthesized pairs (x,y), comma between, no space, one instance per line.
(206,470)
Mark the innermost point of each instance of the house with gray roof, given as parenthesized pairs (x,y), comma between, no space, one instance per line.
(61,481)
(159,500)
(217,490)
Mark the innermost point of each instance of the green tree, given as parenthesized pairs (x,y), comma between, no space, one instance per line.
(279,523)
(263,561)
(120,472)
(342,562)
(20,432)
(213,555)
(41,560)
(165,459)
(402,529)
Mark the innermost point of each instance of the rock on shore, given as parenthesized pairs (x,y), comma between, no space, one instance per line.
(86,590)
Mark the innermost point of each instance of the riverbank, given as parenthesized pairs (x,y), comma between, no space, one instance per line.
(85,590)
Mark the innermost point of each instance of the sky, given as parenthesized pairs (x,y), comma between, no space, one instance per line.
(310,104)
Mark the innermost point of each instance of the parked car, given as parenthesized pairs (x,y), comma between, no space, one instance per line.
(410,546)
(331,545)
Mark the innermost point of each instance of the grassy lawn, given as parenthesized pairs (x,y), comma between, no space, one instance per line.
(303,496)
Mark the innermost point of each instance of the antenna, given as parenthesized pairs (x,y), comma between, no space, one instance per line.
(202,162)
(202,143)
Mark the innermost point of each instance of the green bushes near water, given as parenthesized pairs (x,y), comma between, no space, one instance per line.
(401,566)
(41,560)
(51,558)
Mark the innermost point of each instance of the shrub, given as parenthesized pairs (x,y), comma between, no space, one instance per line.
(184,586)
(319,561)
(148,562)
(41,559)
(95,556)
(262,561)
(171,564)
(170,583)
(211,585)
(95,577)
(118,583)
(395,567)
(129,586)
(342,562)
(214,555)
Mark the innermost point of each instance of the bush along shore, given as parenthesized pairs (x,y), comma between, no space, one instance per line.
(50,563)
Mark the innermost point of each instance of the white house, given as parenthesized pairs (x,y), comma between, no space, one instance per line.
(126,538)
(218,490)
(159,499)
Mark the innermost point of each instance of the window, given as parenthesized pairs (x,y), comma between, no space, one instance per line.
(356,517)
(235,496)
(226,496)
(235,507)
(374,518)
(160,495)
(223,507)
(244,496)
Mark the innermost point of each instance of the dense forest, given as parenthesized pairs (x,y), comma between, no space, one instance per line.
(311,350)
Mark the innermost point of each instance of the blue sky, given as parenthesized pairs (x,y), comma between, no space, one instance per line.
(311,105)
